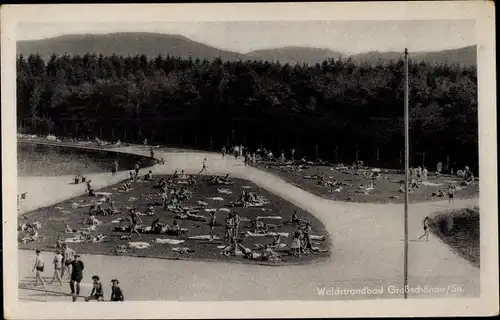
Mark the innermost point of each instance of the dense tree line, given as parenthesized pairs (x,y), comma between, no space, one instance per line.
(336,110)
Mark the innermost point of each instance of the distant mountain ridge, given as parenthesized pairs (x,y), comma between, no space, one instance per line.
(153,44)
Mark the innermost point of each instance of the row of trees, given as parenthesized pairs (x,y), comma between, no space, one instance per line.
(336,110)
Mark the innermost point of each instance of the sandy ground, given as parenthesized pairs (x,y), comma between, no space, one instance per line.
(367,249)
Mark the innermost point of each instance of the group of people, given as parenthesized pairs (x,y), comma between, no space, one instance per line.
(301,241)
(67,261)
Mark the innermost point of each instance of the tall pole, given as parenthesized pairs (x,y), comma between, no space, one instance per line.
(407,164)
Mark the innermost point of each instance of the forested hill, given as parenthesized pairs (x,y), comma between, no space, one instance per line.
(336,110)
(466,56)
(152,44)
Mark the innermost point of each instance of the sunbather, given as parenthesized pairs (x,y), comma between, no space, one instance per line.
(296,219)
(150,211)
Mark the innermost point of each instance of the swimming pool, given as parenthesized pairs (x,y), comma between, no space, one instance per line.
(36,159)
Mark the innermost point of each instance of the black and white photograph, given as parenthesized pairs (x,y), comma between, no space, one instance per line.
(227,159)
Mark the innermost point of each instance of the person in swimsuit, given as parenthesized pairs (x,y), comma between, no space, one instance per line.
(426,229)
(57,267)
(451,194)
(204,167)
(114,170)
(223,151)
(212,223)
(134,222)
(97,292)
(38,266)
(68,257)
(136,168)
(116,291)
(77,267)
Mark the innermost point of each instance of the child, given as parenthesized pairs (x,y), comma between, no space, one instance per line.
(212,223)
(97,292)
(451,194)
(116,291)
(38,266)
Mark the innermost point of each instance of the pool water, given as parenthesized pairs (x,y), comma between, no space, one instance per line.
(48,160)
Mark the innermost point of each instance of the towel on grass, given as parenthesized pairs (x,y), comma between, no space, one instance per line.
(224,209)
(246,187)
(216,198)
(431,184)
(267,234)
(202,203)
(59,208)
(315,237)
(74,240)
(102,193)
(139,245)
(203,237)
(117,220)
(270,217)
(168,241)
(132,199)
(224,191)
(210,210)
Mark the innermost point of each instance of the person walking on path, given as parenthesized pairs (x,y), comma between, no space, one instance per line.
(77,267)
(38,266)
(58,258)
(114,170)
(223,151)
(451,194)
(426,229)
(204,167)
(68,257)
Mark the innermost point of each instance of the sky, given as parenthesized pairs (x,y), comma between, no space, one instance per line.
(344,36)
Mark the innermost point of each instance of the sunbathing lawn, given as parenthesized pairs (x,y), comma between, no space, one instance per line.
(54,218)
(460,230)
(386,188)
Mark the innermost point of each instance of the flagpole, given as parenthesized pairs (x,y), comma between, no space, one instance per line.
(407,162)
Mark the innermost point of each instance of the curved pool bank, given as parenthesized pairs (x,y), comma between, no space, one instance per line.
(49,159)
(47,178)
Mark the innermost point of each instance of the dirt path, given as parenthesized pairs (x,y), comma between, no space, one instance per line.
(367,248)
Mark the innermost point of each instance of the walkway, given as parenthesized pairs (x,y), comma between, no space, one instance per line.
(367,247)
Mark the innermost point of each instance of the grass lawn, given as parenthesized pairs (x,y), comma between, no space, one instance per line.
(386,188)
(54,218)
(459,229)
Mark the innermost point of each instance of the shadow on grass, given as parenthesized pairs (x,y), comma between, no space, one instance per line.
(459,229)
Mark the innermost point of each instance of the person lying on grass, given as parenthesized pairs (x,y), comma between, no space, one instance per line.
(150,211)
(160,184)
(191,181)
